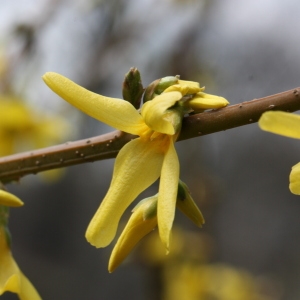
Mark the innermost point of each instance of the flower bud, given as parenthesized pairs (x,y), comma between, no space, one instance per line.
(158,86)
(165,83)
(202,101)
(133,87)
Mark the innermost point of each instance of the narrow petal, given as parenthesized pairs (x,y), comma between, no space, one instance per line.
(153,111)
(18,283)
(282,123)
(168,188)
(115,112)
(206,101)
(9,199)
(28,291)
(185,87)
(295,179)
(136,228)
(137,166)
(11,278)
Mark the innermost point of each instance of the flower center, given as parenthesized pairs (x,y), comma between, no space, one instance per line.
(161,141)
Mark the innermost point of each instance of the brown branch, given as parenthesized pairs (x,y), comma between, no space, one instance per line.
(108,145)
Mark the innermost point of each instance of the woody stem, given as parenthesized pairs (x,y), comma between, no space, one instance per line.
(106,146)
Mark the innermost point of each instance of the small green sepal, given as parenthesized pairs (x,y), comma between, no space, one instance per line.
(187,205)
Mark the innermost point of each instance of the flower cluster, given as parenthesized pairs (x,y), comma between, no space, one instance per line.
(288,125)
(143,160)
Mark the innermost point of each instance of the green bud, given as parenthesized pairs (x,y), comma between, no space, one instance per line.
(150,91)
(133,88)
(158,86)
(165,83)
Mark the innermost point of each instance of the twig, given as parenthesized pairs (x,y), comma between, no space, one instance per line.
(106,146)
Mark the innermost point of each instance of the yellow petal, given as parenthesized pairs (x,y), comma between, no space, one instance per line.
(168,188)
(11,278)
(27,292)
(136,228)
(295,179)
(115,112)
(282,123)
(137,166)
(192,84)
(153,112)
(18,283)
(206,101)
(185,87)
(9,199)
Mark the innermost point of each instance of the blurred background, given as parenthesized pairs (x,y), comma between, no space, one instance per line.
(249,247)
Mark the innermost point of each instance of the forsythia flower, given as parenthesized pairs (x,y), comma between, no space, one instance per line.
(285,124)
(144,219)
(11,277)
(143,160)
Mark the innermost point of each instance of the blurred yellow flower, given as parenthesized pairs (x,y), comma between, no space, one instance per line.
(186,273)
(21,128)
(143,160)
(11,277)
(285,124)
(192,281)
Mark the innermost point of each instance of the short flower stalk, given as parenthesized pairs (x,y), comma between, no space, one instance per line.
(145,159)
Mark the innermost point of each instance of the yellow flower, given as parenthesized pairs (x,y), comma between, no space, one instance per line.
(285,124)
(144,219)
(188,280)
(11,277)
(143,160)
